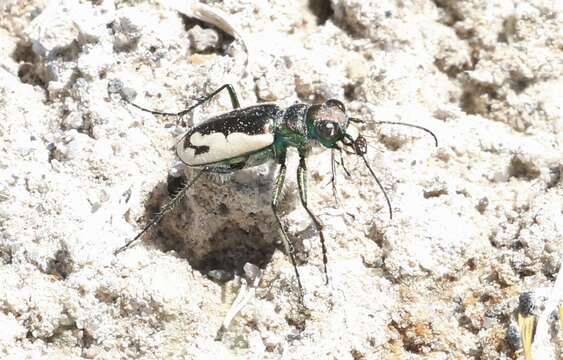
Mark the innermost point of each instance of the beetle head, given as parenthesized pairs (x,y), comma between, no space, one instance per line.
(329,124)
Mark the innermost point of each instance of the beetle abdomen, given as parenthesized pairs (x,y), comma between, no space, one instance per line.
(236,133)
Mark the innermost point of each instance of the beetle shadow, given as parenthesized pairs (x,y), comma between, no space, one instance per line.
(189,230)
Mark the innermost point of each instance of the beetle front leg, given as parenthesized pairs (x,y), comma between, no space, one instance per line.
(276,193)
(302,183)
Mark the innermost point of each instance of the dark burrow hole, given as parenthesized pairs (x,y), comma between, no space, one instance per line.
(229,246)
(234,247)
(174,184)
(321,9)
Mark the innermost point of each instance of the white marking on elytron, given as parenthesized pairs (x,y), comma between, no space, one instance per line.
(221,147)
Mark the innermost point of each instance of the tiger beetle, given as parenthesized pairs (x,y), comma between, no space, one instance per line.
(251,136)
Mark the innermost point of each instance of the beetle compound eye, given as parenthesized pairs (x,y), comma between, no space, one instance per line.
(328,130)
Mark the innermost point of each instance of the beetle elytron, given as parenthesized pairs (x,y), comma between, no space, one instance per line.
(247,137)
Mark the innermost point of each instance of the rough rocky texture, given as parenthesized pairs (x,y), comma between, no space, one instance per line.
(477,221)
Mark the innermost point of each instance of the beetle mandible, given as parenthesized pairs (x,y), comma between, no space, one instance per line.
(251,136)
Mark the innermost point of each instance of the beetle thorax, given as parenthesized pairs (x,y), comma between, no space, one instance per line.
(294,118)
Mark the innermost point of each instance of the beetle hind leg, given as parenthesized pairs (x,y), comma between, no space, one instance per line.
(169,206)
(229,87)
(302,184)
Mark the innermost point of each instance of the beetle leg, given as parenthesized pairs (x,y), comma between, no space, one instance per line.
(229,87)
(169,206)
(302,183)
(343,166)
(333,178)
(232,95)
(276,193)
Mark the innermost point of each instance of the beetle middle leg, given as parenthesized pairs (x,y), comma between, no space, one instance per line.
(276,193)
(229,87)
(302,184)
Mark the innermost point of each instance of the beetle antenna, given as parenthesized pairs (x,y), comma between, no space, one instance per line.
(165,210)
(380,186)
(356,120)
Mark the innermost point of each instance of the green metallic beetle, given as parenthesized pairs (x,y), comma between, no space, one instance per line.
(251,136)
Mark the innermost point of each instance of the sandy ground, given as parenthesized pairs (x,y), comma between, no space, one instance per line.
(478,220)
